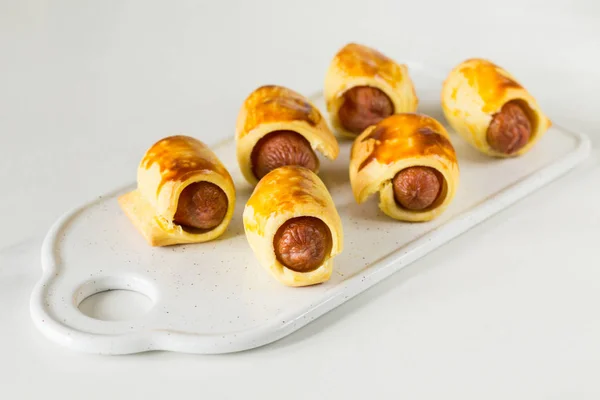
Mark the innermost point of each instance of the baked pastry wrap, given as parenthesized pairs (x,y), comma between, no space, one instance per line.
(276,108)
(401,141)
(358,65)
(166,169)
(475,91)
(285,193)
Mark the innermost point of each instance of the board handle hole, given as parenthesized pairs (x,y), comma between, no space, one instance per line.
(115,298)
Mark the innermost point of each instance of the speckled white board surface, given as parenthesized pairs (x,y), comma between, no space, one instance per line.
(215,298)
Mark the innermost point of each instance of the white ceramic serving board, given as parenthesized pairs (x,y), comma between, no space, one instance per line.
(215,298)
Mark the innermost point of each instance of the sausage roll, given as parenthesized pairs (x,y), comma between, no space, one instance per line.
(491,110)
(184,194)
(293,226)
(277,126)
(409,159)
(363,86)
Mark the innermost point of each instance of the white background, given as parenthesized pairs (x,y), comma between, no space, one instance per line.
(507,310)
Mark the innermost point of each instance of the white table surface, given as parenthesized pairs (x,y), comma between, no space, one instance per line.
(507,310)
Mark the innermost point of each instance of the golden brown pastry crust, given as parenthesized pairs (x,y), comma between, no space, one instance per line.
(276,108)
(476,90)
(398,142)
(358,65)
(167,168)
(286,193)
